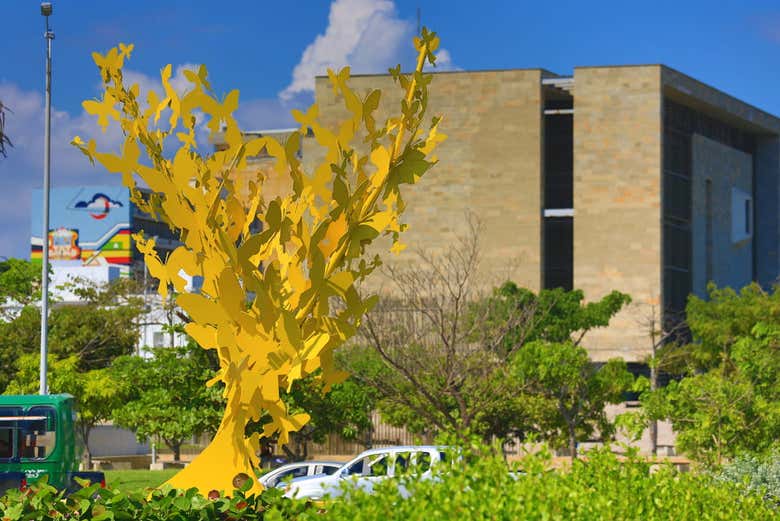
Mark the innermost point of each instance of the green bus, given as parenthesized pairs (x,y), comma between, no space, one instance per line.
(38,438)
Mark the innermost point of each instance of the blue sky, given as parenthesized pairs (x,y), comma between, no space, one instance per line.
(271,51)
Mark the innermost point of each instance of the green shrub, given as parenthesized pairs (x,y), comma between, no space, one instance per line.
(758,474)
(475,485)
(601,488)
(43,502)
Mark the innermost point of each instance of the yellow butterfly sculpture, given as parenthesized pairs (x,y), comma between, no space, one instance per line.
(266,299)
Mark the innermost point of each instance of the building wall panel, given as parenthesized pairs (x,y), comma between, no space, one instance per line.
(617,199)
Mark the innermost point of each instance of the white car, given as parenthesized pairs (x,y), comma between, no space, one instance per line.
(368,468)
(298,470)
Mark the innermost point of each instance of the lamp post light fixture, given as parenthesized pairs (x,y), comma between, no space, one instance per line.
(46,10)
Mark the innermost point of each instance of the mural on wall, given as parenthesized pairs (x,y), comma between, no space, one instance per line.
(88,226)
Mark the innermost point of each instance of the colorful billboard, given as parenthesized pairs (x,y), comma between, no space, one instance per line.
(88,226)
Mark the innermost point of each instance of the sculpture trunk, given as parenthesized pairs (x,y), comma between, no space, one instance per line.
(227,455)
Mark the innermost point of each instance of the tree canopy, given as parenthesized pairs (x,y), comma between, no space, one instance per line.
(566,393)
(166,395)
(102,326)
(439,353)
(729,399)
(20,283)
(344,409)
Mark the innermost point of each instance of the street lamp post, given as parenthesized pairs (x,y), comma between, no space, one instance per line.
(46,10)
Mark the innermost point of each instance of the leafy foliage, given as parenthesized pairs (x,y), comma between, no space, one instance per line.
(266,303)
(729,400)
(719,322)
(84,339)
(601,487)
(478,487)
(344,410)
(558,315)
(20,282)
(440,355)
(101,327)
(758,474)
(567,393)
(166,395)
(43,502)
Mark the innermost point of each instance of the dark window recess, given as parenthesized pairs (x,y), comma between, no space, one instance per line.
(677,152)
(677,197)
(688,121)
(677,242)
(748,215)
(558,253)
(558,161)
(6,442)
(677,287)
(8,431)
(558,104)
(677,250)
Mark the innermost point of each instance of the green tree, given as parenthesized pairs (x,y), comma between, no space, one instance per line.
(96,393)
(553,315)
(20,283)
(568,392)
(167,395)
(345,410)
(729,399)
(102,326)
(668,355)
(439,353)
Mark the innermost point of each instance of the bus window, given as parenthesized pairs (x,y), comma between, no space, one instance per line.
(6,442)
(8,419)
(38,433)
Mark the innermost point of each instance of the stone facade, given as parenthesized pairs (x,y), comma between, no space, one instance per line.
(617,199)
(489,166)
(492,166)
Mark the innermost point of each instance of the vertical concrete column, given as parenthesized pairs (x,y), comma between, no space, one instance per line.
(617,199)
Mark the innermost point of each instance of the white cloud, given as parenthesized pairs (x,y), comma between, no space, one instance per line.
(443,62)
(366,34)
(269,113)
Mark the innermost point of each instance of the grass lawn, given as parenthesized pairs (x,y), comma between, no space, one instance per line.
(130,480)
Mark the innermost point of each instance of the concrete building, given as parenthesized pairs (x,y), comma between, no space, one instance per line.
(635,178)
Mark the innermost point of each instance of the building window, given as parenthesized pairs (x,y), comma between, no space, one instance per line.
(558,253)
(558,161)
(676,197)
(741,215)
(558,184)
(158,339)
